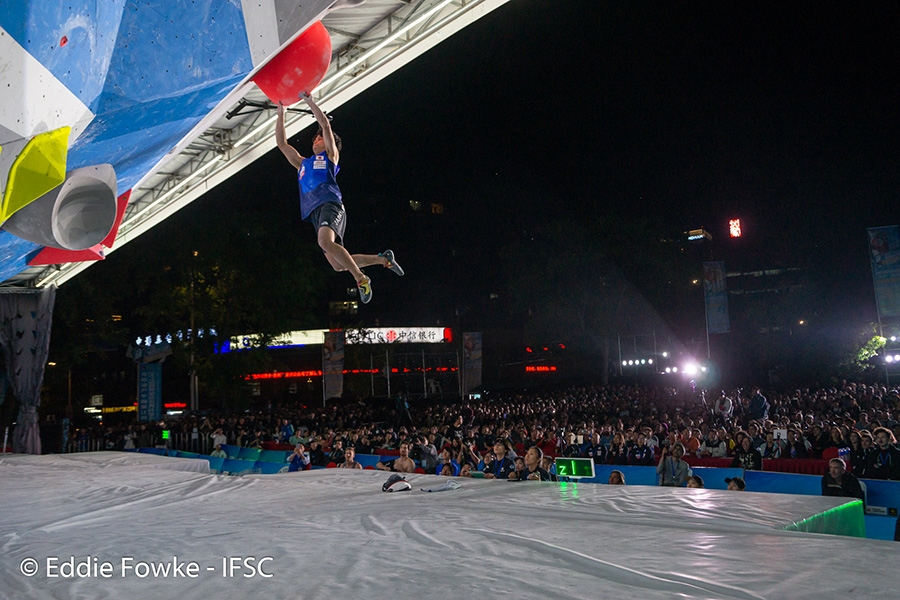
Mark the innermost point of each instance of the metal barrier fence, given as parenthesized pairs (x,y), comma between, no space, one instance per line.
(186,442)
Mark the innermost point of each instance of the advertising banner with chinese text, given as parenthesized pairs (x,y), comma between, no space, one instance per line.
(333,365)
(716,297)
(149,391)
(884,252)
(471,360)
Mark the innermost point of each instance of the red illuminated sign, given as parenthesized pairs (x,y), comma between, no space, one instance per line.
(734,228)
(540,368)
(318,373)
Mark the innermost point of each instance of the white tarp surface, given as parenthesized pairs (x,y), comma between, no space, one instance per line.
(334,534)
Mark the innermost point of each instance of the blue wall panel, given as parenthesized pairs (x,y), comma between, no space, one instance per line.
(74,40)
(781,483)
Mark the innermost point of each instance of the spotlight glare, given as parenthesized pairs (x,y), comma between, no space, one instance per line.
(650,361)
(690,369)
(665,354)
(897,357)
(674,369)
(624,363)
(889,358)
(643,361)
(668,369)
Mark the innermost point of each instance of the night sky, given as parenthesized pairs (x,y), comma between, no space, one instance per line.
(685,114)
(783,116)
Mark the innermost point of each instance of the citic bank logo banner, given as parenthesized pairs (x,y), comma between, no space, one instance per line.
(399,335)
(374,335)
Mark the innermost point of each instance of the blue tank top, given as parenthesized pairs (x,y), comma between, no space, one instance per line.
(317,183)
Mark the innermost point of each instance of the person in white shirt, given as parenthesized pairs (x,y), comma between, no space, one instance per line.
(218,437)
(713,446)
(723,407)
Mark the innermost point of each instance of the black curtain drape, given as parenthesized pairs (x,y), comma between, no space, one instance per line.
(25,320)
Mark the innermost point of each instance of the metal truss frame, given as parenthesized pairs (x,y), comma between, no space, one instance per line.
(373,41)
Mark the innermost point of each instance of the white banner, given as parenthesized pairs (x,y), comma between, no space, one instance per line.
(373,335)
(399,335)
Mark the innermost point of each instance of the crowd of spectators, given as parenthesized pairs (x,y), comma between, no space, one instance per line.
(617,425)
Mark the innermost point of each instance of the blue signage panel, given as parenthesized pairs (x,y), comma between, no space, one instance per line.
(149,391)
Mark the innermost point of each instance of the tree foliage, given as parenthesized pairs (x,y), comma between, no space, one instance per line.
(262,281)
(858,359)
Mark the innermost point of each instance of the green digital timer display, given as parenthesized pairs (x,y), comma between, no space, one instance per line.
(575,468)
(165,434)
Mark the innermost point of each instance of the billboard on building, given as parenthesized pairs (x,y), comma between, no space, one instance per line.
(716,297)
(333,365)
(368,335)
(399,335)
(149,391)
(884,252)
(471,360)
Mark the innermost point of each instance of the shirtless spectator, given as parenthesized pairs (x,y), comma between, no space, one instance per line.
(350,460)
(401,464)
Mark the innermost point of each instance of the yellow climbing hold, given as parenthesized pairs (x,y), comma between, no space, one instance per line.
(40,167)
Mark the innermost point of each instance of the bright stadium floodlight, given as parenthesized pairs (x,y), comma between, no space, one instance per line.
(690,369)
(889,358)
(650,361)
(703,369)
(668,369)
(897,357)
(674,369)
(624,363)
(643,361)
(665,354)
